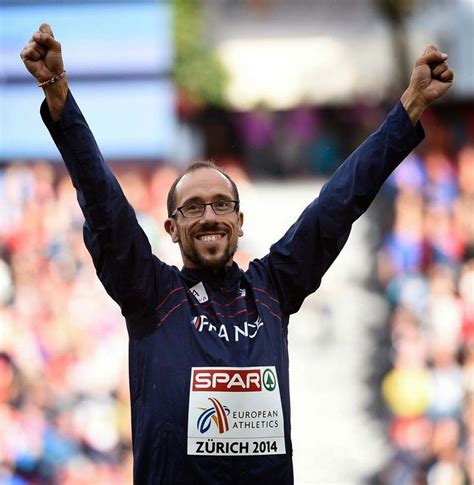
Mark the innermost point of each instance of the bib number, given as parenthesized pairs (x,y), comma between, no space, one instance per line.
(235,411)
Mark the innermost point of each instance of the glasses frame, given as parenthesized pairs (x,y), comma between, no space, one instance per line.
(180,209)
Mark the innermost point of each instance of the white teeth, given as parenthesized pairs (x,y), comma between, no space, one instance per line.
(210,237)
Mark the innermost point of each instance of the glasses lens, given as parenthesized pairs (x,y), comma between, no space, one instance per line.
(193,210)
(223,206)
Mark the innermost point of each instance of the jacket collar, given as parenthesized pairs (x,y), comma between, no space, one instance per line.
(227,279)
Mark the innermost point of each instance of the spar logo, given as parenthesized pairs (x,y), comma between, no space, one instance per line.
(231,380)
(217,413)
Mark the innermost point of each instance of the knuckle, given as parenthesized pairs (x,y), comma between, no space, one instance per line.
(24,54)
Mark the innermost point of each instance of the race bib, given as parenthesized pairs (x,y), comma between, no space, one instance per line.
(235,411)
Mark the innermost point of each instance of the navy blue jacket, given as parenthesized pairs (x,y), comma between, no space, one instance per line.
(163,316)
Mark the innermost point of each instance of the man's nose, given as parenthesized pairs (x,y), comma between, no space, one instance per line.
(209,214)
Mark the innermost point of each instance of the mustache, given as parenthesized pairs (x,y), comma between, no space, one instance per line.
(206,227)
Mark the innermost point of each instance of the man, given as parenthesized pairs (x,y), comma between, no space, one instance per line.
(208,344)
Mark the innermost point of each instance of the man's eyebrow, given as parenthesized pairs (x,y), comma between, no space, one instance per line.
(200,200)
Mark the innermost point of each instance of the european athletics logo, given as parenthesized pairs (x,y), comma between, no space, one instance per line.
(218,413)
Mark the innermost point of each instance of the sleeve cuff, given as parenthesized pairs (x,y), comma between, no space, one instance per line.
(66,119)
(414,133)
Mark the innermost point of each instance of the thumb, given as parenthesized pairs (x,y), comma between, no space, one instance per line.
(432,56)
(45,37)
(429,48)
(46,29)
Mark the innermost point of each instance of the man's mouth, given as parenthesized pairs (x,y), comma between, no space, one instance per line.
(209,237)
(209,234)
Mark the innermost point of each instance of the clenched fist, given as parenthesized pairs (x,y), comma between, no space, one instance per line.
(42,55)
(43,59)
(430,79)
(432,76)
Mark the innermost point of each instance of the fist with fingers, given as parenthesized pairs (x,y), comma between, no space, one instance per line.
(42,55)
(431,76)
(430,79)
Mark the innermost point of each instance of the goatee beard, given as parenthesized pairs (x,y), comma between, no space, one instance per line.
(210,263)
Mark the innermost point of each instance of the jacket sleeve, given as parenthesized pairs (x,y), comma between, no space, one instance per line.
(119,248)
(298,261)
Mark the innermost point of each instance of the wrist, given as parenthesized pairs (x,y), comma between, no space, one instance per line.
(52,80)
(414,105)
(56,95)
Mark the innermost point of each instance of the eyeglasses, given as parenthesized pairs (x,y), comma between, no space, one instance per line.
(196,209)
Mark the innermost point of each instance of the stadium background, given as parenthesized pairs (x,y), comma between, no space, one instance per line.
(278,93)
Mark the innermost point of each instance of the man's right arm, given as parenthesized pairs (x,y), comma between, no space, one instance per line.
(119,248)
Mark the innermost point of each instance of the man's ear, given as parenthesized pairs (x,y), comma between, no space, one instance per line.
(171,229)
(240,223)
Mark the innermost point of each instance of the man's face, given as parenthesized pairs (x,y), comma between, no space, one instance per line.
(209,241)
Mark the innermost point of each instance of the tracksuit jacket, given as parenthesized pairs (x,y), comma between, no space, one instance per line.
(208,354)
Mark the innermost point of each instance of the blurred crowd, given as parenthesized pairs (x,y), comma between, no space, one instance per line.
(305,141)
(295,143)
(64,415)
(426,267)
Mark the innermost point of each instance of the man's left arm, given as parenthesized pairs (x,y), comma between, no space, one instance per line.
(357,181)
(299,260)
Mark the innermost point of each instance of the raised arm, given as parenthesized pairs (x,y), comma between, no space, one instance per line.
(357,181)
(119,248)
(299,260)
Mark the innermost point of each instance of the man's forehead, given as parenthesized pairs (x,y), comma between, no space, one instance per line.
(203,183)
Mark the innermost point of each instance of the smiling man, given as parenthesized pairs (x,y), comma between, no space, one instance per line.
(206,232)
(208,349)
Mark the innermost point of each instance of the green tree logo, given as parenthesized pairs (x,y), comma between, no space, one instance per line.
(269,380)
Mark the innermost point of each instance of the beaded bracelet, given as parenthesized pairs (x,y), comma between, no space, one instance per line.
(52,80)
